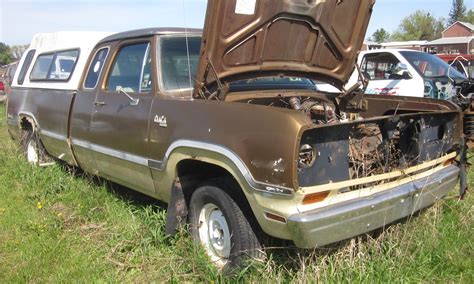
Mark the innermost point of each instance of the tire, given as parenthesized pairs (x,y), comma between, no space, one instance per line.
(233,241)
(32,148)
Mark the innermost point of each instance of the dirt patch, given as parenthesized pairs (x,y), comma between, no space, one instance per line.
(72,222)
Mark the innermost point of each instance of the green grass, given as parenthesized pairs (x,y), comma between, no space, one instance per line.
(59,226)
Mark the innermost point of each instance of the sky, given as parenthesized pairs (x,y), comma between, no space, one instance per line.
(21,19)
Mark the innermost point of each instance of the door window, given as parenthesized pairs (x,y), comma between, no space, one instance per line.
(128,68)
(380,66)
(96,68)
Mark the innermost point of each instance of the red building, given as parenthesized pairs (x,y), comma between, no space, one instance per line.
(457,39)
(459,29)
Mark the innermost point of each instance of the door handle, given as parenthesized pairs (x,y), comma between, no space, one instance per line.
(99,104)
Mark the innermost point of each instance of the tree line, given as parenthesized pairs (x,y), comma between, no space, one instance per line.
(9,54)
(421,25)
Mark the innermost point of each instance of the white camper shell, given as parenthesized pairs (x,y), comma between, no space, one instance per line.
(56,60)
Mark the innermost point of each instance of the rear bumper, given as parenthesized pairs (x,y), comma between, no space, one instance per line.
(341,221)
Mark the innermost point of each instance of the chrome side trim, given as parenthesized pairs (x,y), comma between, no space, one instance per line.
(111,152)
(53,135)
(161,165)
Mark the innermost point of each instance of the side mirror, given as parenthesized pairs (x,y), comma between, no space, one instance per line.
(400,72)
(401,68)
(133,101)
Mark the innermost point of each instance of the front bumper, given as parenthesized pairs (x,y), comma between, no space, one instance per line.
(344,220)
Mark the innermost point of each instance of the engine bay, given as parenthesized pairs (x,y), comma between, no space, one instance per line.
(319,109)
(362,145)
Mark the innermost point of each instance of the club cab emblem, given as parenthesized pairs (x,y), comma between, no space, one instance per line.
(161,120)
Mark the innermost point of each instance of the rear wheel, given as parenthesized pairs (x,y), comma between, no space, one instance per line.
(32,148)
(218,224)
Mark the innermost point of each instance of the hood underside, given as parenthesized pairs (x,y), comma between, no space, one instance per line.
(317,39)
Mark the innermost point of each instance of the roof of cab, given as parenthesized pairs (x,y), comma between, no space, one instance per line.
(150,32)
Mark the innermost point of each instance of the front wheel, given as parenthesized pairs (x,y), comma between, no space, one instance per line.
(218,224)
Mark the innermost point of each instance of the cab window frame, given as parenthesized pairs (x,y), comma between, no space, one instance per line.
(26,64)
(369,58)
(104,66)
(112,59)
(159,65)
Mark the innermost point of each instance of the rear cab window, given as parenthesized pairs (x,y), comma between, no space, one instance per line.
(57,66)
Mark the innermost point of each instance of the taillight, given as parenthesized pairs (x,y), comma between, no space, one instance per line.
(2,87)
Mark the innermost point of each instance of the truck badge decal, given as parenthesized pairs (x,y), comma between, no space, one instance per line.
(161,120)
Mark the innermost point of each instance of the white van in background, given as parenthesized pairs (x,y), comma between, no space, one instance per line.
(412,73)
(407,73)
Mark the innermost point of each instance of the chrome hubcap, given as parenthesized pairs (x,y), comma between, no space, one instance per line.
(214,234)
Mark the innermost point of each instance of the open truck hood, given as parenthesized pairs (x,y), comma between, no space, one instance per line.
(317,39)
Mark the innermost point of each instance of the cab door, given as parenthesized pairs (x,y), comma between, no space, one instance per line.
(390,75)
(119,125)
(83,109)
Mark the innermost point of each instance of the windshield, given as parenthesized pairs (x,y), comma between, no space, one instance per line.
(430,66)
(176,68)
(272,83)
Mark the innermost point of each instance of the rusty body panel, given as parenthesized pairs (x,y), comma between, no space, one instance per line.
(48,108)
(279,145)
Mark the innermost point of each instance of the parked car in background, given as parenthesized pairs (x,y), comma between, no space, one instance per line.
(407,73)
(2,91)
(9,73)
(7,78)
(226,126)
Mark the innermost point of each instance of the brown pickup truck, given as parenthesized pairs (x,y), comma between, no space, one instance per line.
(227,126)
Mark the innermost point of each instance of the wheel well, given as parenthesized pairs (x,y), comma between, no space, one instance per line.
(27,123)
(193,174)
